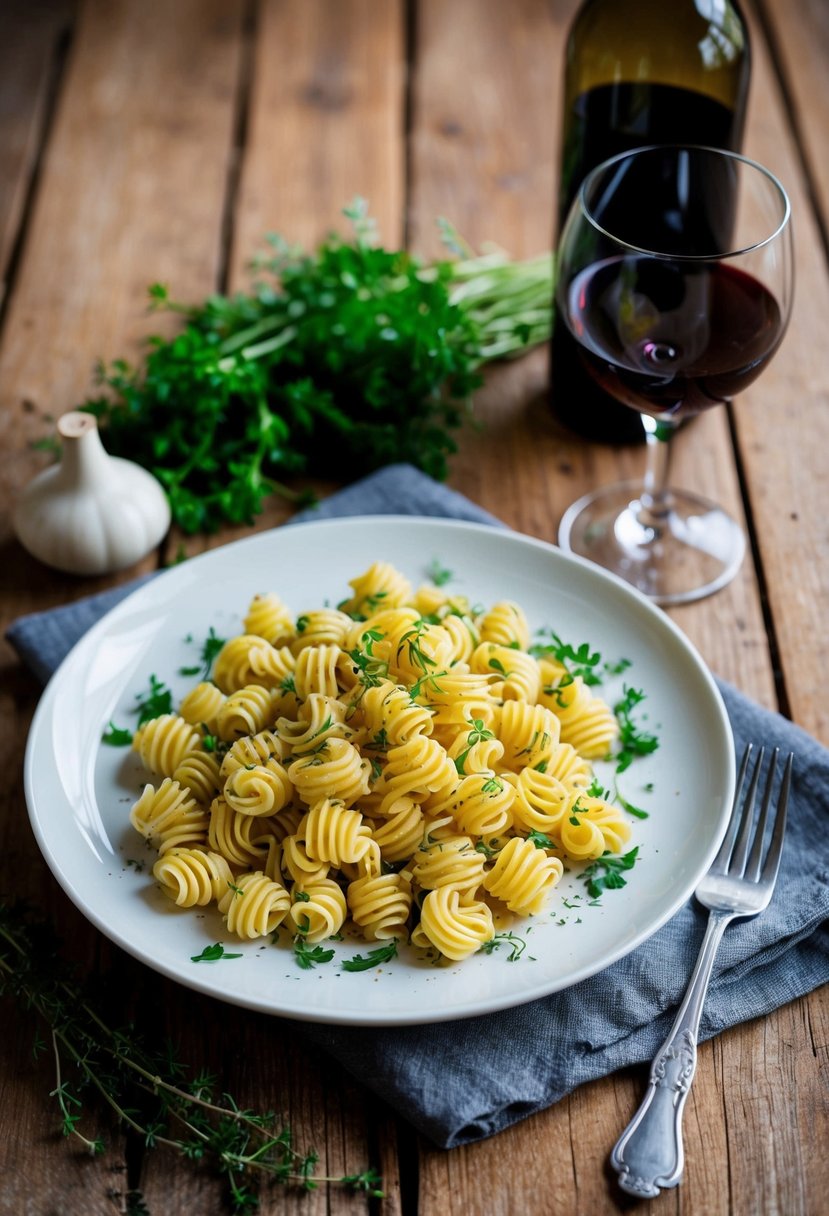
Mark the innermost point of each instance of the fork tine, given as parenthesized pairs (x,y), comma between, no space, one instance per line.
(754,863)
(738,858)
(721,860)
(736,863)
(776,847)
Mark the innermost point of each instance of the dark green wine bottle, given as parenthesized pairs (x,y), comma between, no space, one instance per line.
(639,72)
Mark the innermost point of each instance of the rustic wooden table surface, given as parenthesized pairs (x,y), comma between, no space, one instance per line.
(148,140)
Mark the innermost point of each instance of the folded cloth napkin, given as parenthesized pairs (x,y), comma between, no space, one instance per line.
(462,1081)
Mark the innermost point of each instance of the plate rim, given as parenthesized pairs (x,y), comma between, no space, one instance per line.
(371,1018)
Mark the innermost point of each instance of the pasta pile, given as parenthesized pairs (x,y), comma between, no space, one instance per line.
(401,762)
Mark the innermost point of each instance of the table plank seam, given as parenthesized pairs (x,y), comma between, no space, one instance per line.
(792,119)
(52,92)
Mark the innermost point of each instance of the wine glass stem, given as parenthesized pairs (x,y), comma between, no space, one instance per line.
(656,499)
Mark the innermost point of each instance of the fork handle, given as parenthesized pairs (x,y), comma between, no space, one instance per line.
(649,1154)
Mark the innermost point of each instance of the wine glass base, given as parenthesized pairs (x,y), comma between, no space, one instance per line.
(696,549)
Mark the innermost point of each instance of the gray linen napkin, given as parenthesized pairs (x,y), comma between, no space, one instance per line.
(462,1081)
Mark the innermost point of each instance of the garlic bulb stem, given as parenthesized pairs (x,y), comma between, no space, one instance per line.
(84,459)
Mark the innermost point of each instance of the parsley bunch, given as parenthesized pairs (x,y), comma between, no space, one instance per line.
(334,364)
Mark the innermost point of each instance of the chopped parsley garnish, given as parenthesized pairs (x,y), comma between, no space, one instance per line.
(210,648)
(370,671)
(365,962)
(634,741)
(478,733)
(631,809)
(541,840)
(439,575)
(516,944)
(488,850)
(158,701)
(152,704)
(116,736)
(417,656)
(307,957)
(212,954)
(606,873)
(578,660)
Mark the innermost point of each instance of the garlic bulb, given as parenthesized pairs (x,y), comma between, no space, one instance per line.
(92,513)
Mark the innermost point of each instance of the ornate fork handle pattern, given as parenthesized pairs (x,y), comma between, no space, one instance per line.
(649,1154)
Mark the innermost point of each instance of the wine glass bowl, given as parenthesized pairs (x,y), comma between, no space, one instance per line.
(675,280)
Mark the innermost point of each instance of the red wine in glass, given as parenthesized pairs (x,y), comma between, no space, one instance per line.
(670,338)
(675,282)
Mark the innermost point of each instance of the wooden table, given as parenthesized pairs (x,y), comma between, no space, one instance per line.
(146,140)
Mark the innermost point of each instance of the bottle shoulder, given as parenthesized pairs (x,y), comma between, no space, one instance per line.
(713,33)
(654,42)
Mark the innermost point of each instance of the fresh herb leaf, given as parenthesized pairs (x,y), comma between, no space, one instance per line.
(365,962)
(605,874)
(368,1183)
(152,704)
(209,650)
(116,736)
(309,957)
(633,740)
(540,839)
(212,954)
(517,945)
(438,574)
(616,669)
(631,809)
(578,660)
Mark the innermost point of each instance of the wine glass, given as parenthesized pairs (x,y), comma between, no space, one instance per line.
(675,279)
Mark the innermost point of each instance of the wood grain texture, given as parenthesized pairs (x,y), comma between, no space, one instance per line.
(782,423)
(326,123)
(132,187)
(484,105)
(800,36)
(521,466)
(166,115)
(30,59)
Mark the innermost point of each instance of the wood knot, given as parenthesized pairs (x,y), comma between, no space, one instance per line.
(327,95)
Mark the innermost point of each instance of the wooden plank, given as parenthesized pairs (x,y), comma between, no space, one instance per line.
(326,123)
(30,55)
(146,101)
(525,469)
(800,35)
(783,426)
(146,118)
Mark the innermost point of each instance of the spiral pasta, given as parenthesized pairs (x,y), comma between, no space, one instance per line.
(254,905)
(193,877)
(269,618)
(163,742)
(318,908)
(400,766)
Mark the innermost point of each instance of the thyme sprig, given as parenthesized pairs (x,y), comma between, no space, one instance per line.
(148,1090)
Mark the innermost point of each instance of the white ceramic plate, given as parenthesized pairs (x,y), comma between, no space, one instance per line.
(79,792)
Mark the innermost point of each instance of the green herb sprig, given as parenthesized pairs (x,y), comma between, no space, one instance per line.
(607,872)
(353,357)
(633,740)
(148,1090)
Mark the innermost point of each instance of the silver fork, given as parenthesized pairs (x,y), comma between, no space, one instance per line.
(649,1154)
